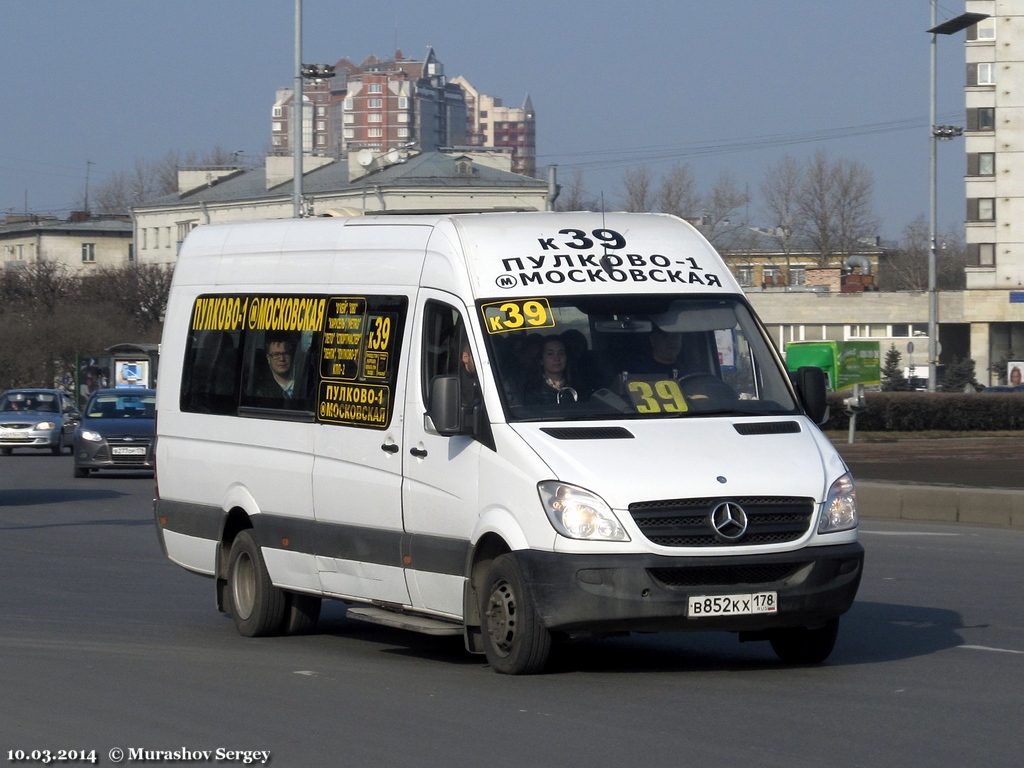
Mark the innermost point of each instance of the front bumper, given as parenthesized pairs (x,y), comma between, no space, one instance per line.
(30,439)
(650,593)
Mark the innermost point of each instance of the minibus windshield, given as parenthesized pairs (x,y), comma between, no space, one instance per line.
(572,358)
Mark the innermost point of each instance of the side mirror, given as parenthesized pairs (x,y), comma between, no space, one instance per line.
(445,412)
(810,387)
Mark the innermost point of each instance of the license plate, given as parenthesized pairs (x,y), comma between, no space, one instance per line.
(732,605)
(135,451)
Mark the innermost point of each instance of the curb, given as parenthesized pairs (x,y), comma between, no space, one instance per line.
(940,504)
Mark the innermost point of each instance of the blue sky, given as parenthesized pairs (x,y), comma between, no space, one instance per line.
(721,85)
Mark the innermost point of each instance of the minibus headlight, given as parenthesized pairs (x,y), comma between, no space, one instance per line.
(92,437)
(579,514)
(840,511)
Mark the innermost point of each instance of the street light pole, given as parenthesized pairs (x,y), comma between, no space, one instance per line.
(297,116)
(937,132)
(933,296)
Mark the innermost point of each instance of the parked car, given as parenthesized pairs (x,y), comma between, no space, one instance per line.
(37,418)
(1003,388)
(116,431)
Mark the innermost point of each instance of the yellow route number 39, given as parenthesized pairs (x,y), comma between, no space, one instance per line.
(662,396)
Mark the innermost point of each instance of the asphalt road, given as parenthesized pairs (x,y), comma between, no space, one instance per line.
(104,644)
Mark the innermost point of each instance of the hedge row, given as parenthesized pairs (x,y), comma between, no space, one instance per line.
(926,411)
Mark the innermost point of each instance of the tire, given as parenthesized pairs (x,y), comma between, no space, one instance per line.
(800,645)
(256,605)
(6,451)
(302,612)
(58,449)
(515,641)
(81,472)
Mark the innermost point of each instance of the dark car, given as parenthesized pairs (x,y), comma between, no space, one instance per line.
(37,418)
(116,431)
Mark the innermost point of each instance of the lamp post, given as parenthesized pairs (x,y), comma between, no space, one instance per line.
(317,73)
(938,132)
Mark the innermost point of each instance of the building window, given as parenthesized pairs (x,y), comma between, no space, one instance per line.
(982,73)
(321,111)
(321,125)
(983,30)
(745,275)
(347,104)
(798,275)
(321,141)
(349,133)
(375,133)
(375,117)
(403,117)
(981,209)
(981,119)
(403,102)
(349,118)
(376,88)
(403,133)
(276,141)
(278,112)
(142,238)
(981,163)
(277,126)
(374,103)
(89,252)
(981,254)
(771,276)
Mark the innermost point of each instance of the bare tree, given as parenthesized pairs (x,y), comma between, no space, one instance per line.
(906,266)
(780,195)
(835,206)
(722,205)
(573,196)
(677,193)
(638,184)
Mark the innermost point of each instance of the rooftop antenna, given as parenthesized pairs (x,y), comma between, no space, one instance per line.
(604,261)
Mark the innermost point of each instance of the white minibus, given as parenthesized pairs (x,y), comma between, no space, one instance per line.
(519,428)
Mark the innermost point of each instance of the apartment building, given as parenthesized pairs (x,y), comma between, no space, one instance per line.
(994,227)
(489,123)
(396,103)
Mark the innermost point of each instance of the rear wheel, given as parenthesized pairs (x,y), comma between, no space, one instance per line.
(801,645)
(515,641)
(257,606)
(81,472)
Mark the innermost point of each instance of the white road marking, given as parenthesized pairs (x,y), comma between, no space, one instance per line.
(986,648)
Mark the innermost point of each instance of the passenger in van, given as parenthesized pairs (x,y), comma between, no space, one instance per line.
(468,381)
(278,379)
(552,385)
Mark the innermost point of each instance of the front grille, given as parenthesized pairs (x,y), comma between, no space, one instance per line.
(687,522)
(724,575)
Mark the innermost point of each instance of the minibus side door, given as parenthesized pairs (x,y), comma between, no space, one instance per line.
(440,487)
(357,469)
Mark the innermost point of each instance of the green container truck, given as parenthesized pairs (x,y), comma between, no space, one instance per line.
(845,363)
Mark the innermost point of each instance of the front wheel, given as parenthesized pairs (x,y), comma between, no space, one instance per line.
(81,471)
(58,449)
(515,641)
(801,645)
(257,606)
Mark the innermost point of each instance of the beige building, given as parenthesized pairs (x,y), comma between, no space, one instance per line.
(367,182)
(82,244)
(489,123)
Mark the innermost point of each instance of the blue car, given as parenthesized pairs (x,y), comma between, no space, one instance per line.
(36,418)
(116,431)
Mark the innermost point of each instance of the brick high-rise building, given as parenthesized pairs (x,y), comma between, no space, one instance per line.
(491,124)
(397,103)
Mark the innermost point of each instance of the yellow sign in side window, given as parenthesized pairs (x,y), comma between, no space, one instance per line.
(661,396)
(363,405)
(517,315)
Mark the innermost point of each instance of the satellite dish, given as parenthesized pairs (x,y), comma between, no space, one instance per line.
(365,157)
(393,156)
